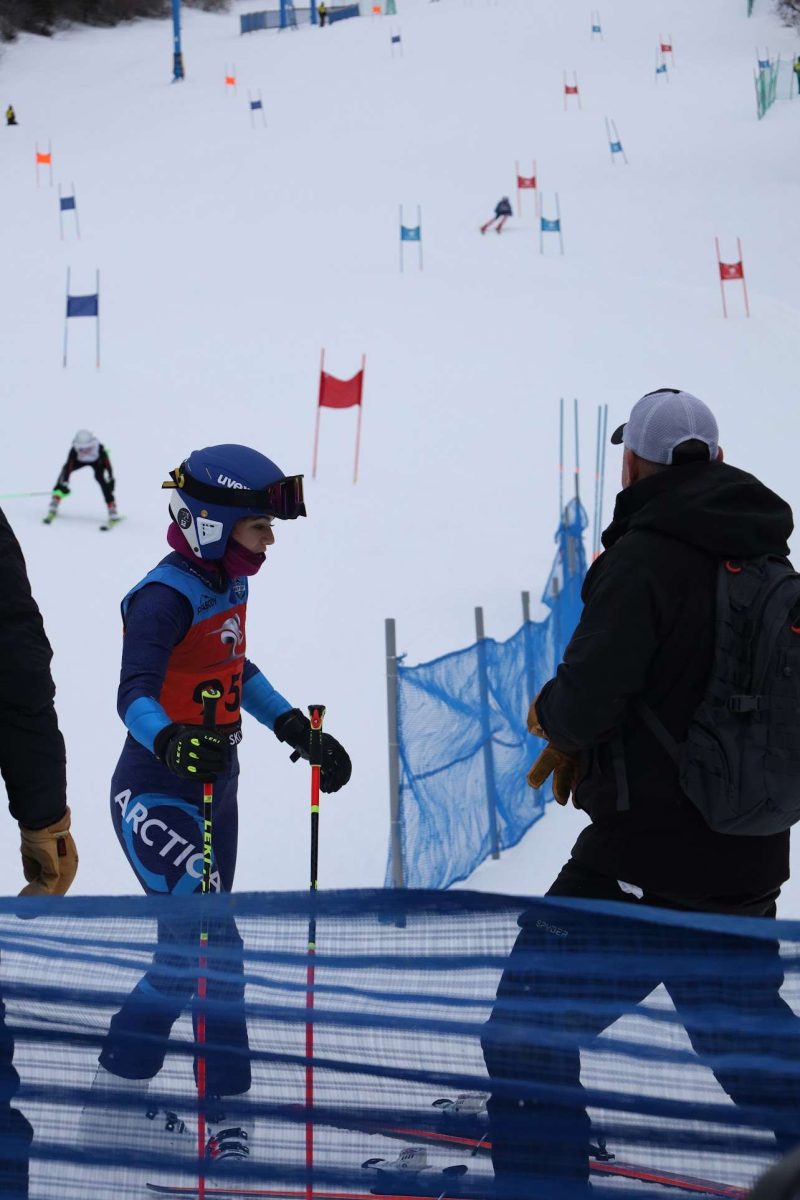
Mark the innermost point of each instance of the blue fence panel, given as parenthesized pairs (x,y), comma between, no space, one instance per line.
(271,19)
(342,14)
(394,1035)
(445,729)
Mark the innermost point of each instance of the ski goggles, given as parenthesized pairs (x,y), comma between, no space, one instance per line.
(282,499)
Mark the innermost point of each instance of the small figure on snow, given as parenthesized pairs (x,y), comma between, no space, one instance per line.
(796,69)
(86,451)
(11,116)
(502,212)
(184,681)
(322,13)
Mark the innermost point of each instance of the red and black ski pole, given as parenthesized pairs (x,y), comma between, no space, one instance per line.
(316,714)
(211,697)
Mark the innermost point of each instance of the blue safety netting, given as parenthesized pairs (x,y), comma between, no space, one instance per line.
(292,16)
(592,1063)
(463,742)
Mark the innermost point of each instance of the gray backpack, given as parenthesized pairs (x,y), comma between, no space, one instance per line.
(740,763)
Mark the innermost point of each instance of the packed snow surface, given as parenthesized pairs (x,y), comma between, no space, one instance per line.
(232,251)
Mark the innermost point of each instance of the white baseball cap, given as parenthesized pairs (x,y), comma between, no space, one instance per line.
(662,420)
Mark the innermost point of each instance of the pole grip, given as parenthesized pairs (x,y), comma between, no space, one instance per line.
(316,715)
(211,697)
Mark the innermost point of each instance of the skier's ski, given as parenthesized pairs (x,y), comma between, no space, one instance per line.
(111,523)
(622,1170)
(602,1166)
(685,1183)
(280,1193)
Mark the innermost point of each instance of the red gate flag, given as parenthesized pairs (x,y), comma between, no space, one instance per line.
(571,89)
(526,183)
(339,393)
(44,159)
(666,47)
(732,271)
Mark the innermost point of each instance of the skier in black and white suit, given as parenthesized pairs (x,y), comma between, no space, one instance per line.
(86,451)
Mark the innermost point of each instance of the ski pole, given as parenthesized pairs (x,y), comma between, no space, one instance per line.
(316,713)
(211,697)
(22,495)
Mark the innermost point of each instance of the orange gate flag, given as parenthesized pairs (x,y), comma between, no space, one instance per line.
(44,158)
(339,393)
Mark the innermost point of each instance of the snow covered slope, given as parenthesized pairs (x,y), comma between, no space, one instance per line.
(231,253)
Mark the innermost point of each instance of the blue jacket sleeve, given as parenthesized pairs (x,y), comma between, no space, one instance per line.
(158,618)
(260,699)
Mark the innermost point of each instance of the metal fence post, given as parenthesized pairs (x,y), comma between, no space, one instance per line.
(488,760)
(526,621)
(398,874)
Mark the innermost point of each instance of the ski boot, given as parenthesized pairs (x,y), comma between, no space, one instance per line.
(230,1136)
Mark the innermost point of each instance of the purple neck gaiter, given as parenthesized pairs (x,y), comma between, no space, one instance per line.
(238,560)
(235,561)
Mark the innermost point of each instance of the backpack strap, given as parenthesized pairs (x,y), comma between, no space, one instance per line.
(620,773)
(657,728)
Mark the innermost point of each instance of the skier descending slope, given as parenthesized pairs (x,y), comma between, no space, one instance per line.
(185,635)
(86,451)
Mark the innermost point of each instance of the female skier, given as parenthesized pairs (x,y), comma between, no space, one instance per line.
(185,635)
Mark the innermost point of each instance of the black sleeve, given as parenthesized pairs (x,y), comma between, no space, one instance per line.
(608,657)
(32,754)
(67,469)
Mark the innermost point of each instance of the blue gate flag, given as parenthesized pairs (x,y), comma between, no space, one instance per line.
(83,306)
(596,29)
(616,147)
(446,723)
(395,39)
(551,225)
(256,104)
(67,202)
(764,64)
(411,233)
(661,70)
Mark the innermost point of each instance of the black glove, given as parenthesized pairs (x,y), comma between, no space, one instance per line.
(295,729)
(191,751)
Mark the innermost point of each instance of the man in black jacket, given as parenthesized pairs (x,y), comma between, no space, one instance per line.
(646,634)
(33,766)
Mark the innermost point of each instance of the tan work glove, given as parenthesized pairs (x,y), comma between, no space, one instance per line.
(563,767)
(49,859)
(533,720)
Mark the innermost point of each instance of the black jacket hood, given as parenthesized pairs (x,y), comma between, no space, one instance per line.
(713,506)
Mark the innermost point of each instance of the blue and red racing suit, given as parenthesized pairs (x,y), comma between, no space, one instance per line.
(184,630)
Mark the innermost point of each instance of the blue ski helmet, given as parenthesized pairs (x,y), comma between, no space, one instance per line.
(215,487)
